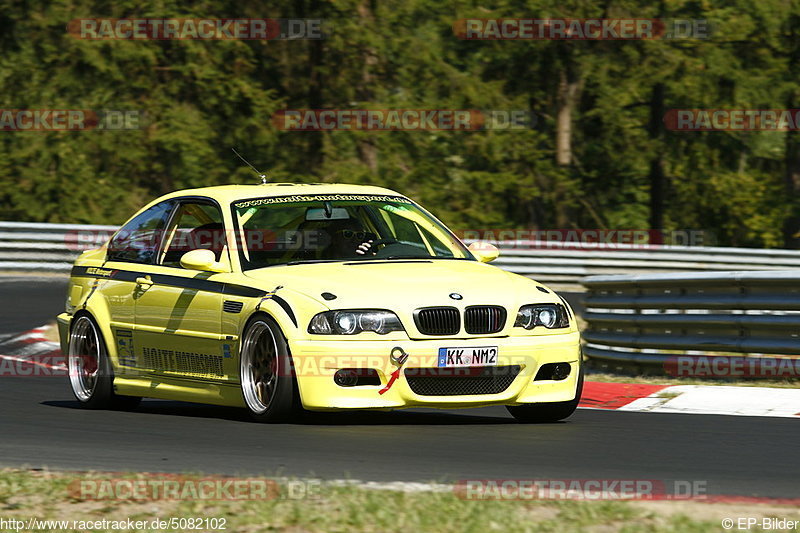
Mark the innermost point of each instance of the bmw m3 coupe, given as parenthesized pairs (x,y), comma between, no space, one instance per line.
(282,297)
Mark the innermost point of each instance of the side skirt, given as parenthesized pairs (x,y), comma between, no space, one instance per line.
(182,390)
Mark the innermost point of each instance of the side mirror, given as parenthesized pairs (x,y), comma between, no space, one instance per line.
(483,251)
(203,260)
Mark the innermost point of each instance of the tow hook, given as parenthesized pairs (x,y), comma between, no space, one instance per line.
(398,356)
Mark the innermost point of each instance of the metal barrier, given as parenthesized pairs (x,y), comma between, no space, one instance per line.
(34,246)
(562,263)
(26,246)
(643,319)
(650,319)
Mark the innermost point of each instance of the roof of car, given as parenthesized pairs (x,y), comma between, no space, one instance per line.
(233,193)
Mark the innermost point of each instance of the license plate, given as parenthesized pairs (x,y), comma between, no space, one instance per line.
(470,356)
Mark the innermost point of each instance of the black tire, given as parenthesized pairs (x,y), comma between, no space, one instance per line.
(90,373)
(538,413)
(265,372)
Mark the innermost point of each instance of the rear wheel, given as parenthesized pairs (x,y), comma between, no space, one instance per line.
(265,371)
(90,374)
(547,412)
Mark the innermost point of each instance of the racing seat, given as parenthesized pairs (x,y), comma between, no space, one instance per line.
(208,236)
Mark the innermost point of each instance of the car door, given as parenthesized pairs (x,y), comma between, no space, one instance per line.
(178,311)
(130,253)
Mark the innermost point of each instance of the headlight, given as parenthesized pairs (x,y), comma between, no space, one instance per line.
(351,322)
(551,316)
(346,323)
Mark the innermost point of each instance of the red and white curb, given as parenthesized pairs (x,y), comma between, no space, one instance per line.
(30,353)
(692,399)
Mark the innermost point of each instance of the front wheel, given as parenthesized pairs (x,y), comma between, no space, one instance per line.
(90,374)
(265,372)
(547,412)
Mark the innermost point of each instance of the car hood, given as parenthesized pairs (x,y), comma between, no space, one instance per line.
(405,285)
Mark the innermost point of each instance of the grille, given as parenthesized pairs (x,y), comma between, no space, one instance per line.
(437,320)
(483,319)
(461,381)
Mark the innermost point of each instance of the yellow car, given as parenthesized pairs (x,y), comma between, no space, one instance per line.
(282,297)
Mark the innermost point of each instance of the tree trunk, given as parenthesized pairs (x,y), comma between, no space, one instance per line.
(791,226)
(316,57)
(367,151)
(657,178)
(568,88)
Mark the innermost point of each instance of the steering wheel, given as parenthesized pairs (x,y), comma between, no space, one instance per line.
(368,246)
(385,242)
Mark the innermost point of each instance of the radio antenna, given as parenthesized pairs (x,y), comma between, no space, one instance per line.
(260,174)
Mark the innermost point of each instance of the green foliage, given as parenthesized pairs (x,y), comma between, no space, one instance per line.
(200,98)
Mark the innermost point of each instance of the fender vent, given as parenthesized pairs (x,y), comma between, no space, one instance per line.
(230,306)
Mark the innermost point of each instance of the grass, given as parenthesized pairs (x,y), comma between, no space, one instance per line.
(44,495)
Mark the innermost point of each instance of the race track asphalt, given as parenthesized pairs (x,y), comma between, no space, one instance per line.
(42,426)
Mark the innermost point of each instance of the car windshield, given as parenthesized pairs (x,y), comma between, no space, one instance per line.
(318,228)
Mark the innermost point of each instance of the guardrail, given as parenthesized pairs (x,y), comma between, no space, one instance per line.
(556,262)
(653,319)
(53,247)
(26,246)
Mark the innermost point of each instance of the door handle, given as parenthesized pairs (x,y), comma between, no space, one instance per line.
(145,281)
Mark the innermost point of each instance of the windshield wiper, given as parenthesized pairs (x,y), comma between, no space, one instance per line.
(309,261)
(426,258)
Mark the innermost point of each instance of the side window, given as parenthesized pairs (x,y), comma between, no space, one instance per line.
(195,225)
(139,239)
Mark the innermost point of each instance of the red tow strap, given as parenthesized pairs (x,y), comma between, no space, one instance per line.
(399,360)
(392,379)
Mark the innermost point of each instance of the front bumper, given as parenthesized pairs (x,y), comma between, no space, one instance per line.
(63,320)
(316,362)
